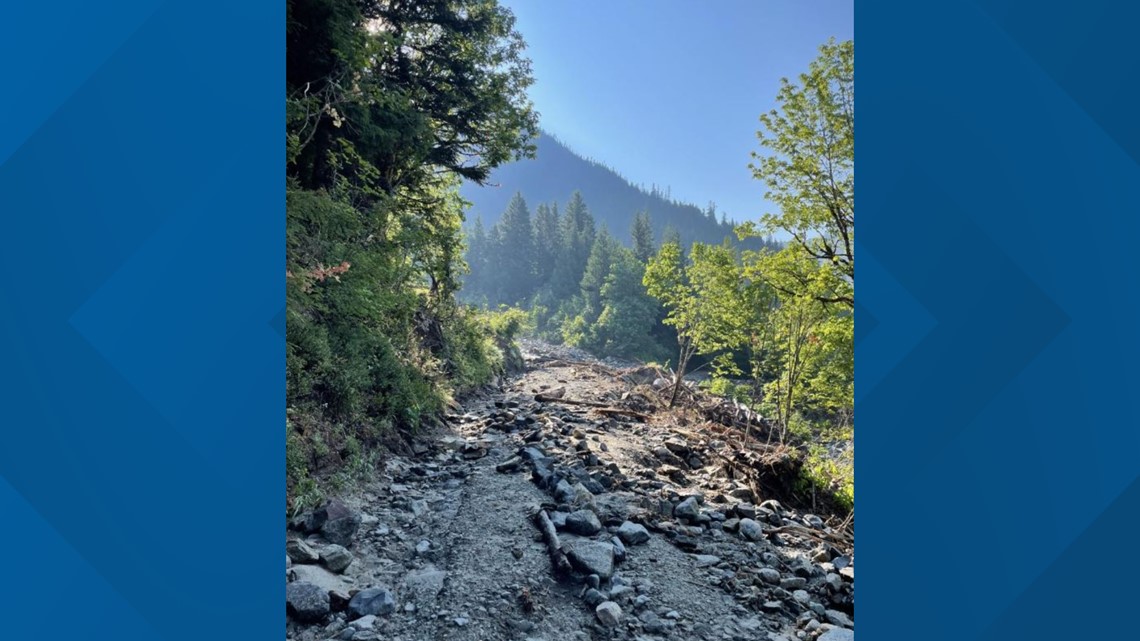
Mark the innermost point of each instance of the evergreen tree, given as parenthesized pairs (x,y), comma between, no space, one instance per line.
(547,242)
(642,236)
(629,315)
(516,253)
(577,241)
(594,276)
(477,255)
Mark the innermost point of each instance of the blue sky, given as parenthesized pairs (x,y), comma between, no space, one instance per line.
(670,91)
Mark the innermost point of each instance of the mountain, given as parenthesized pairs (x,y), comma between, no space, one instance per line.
(556,172)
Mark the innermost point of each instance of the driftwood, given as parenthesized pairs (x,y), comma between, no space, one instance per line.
(819,535)
(550,536)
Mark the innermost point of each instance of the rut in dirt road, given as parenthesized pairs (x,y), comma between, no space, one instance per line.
(659,541)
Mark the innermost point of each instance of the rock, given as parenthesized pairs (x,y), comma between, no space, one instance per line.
(706,560)
(511,465)
(652,623)
(336,558)
(619,550)
(591,557)
(422,547)
(461,621)
(288,560)
(770,575)
(746,511)
(609,613)
(583,522)
(688,509)
(338,600)
(377,601)
(321,577)
(793,583)
(750,530)
(426,582)
(837,634)
(306,602)
(633,533)
(340,523)
(300,551)
(802,596)
(593,598)
(364,623)
(835,617)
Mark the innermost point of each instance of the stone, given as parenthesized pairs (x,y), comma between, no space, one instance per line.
(688,509)
(301,552)
(751,530)
(426,582)
(835,617)
(377,601)
(770,575)
(609,613)
(746,511)
(583,522)
(338,600)
(364,623)
(837,634)
(593,598)
(591,557)
(306,602)
(633,533)
(422,547)
(336,558)
(802,596)
(793,582)
(340,523)
(706,560)
(321,577)
(619,550)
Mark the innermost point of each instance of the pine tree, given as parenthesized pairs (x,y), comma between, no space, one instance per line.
(516,253)
(642,235)
(547,242)
(473,287)
(594,276)
(577,241)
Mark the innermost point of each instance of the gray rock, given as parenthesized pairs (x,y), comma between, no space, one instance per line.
(288,561)
(802,596)
(422,547)
(619,550)
(751,530)
(336,557)
(592,557)
(705,560)
(378,601)
(426,582)
(364,623)
(609,613)
(770,575)
(593,598)
(340,524)
(321,577)
(746,510)
(633,533)
(652,623)
(306,602)
(837,634)
(583,522)
(688,509)
(835,617)
(300,551)
(793,582)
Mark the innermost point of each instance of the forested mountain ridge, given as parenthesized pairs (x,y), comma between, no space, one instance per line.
(556,172)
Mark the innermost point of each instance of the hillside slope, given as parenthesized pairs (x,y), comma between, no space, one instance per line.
(556,172)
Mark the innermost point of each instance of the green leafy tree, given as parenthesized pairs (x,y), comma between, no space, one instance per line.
(810,174)
(703,298)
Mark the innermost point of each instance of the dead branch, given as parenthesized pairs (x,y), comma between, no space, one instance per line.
(550,536)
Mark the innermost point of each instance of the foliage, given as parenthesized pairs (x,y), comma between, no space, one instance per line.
(389,105)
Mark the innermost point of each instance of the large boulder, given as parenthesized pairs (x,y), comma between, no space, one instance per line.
(583,522)
(306,602)
(591,557)
(633,533)
(339,522)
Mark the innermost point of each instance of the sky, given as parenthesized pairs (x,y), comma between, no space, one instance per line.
(670,91)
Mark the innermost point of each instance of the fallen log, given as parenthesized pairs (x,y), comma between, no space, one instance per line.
(620,412)
(548,398)
(550,536)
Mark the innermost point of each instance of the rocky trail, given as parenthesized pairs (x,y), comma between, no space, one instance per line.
(589,514)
